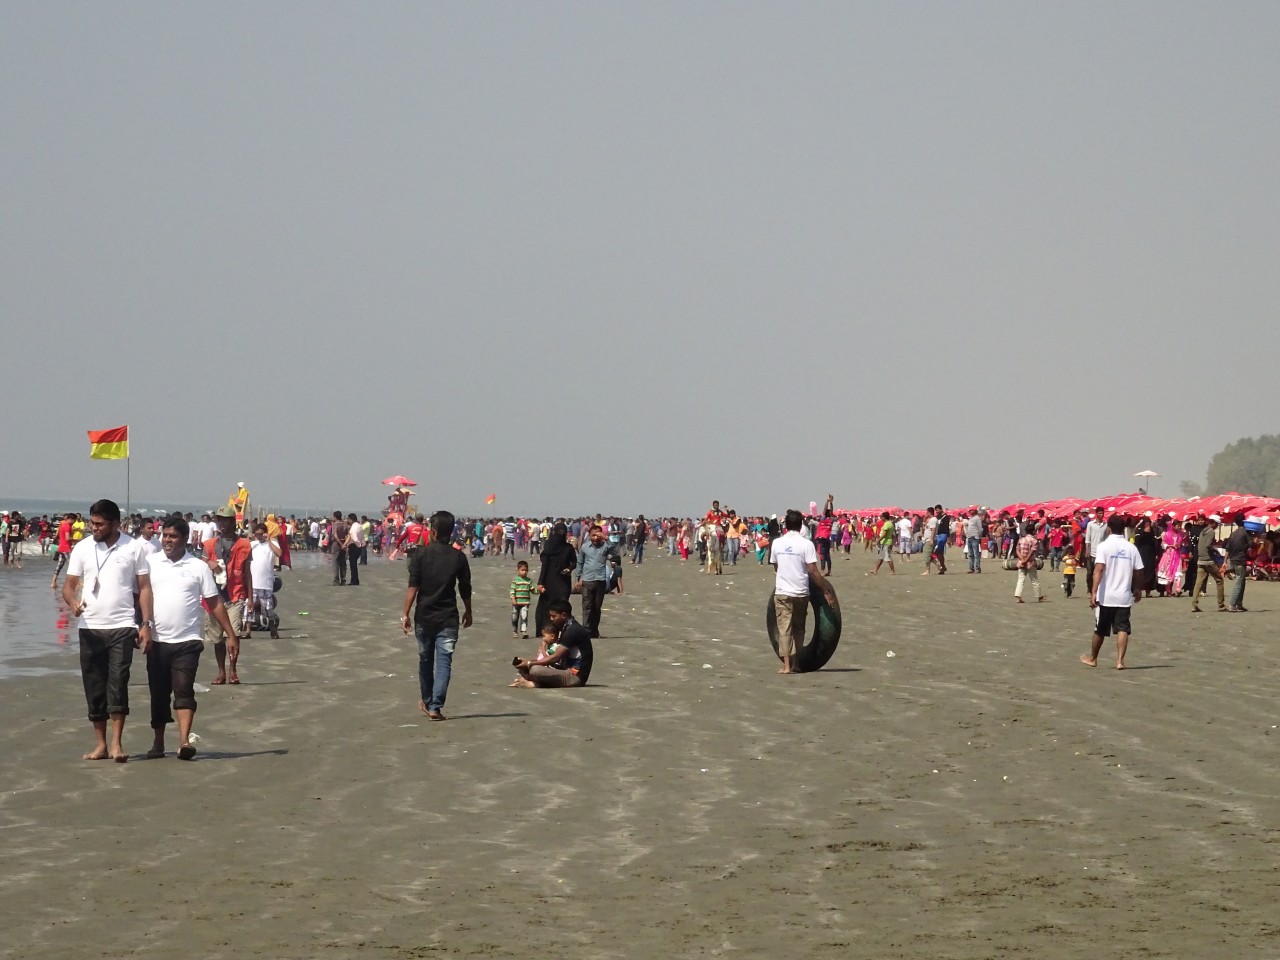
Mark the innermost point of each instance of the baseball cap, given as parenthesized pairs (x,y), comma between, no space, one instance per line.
(1215,518)
(225,512)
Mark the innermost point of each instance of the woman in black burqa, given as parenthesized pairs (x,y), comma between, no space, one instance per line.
(554,583)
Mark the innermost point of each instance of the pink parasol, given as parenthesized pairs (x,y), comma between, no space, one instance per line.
(399,481)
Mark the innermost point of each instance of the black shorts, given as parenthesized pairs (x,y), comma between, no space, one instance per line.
(1111,620)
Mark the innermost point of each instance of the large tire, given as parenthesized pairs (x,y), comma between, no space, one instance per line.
(821,645)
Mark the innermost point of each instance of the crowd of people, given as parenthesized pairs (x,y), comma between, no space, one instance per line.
(170,586)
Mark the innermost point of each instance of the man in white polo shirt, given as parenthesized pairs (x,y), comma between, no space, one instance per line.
(179,582)
(113,568)
(796,561)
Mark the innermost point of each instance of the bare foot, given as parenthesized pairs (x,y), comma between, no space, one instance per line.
(422,708)
(219,681)
(99,754)
(520,682)
(1019,599)
(120,756)
(1088,661)
(1119,666)
(233,679)
(1042,599)
(784,670)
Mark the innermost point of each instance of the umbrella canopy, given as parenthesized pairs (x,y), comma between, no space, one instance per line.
(399,481)
(1146,473)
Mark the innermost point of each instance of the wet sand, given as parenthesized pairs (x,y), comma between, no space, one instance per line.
(979,794)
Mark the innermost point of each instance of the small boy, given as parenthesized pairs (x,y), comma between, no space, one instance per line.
(1068,574)
(521,589)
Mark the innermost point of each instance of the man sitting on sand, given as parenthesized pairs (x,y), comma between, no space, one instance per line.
(564,659)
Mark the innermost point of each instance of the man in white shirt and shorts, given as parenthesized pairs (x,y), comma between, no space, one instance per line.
(113,569)
(795,559)
(179,582)
(1116,589)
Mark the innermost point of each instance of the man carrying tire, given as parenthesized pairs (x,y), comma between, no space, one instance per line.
(795,561)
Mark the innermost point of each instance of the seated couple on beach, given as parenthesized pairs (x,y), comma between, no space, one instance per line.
(564,655)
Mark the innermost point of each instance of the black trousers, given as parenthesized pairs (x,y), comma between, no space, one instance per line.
(592,603)
(171,673)
(105,658)
(353,561)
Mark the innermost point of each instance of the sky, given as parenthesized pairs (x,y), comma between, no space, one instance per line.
(628,258)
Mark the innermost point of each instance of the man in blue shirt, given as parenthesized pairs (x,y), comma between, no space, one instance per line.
(592,574)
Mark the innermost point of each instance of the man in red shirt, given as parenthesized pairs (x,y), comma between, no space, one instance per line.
(228,556)
(412,536)
(64,548)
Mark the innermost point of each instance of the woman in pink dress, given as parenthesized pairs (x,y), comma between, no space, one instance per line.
(1169,572)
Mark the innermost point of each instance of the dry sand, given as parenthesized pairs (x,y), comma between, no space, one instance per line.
(979,794)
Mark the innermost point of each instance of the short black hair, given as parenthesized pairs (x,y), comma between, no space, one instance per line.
(177,522)
(108,510)
(442,525)
(794,520)
(1115,523)
(560,606)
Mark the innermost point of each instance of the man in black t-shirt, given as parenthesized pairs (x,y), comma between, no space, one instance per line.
(941,536)
(568,664)
(438,576)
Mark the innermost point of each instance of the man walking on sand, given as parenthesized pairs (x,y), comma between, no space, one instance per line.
(1207,566)
(230,559)
(1094,533)
(885,541)
(795,562)
(592,575)
(438,575)
(1116,581)
(180,581)
(113,569)
(1027,566)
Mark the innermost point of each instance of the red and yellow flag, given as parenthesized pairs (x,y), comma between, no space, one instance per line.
(110,444)
(490,498)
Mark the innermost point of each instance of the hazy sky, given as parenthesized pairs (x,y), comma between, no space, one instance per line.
(630,257)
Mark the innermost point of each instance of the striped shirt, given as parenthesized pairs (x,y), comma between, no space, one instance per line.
(521,588)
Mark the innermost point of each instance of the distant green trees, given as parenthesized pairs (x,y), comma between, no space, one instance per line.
(1250,465)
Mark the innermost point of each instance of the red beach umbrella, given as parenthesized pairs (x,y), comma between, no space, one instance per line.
(399,481)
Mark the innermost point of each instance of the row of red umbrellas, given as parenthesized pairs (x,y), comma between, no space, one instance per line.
(1262,509)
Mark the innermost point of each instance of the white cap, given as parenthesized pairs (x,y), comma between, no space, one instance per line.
(1215,518)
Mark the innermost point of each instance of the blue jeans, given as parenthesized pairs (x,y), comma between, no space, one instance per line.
(1055,557)
(671,546)
(435,663)
(637,554)
(1237,588)
(974,545)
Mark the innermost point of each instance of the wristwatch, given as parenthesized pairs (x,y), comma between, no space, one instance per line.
(149,624)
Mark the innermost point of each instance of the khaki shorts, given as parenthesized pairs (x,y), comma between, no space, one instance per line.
(791,613)
(235,613)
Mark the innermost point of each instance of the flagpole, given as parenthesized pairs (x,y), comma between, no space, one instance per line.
(128,488)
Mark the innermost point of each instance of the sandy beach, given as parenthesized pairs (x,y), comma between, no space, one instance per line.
(978,794)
